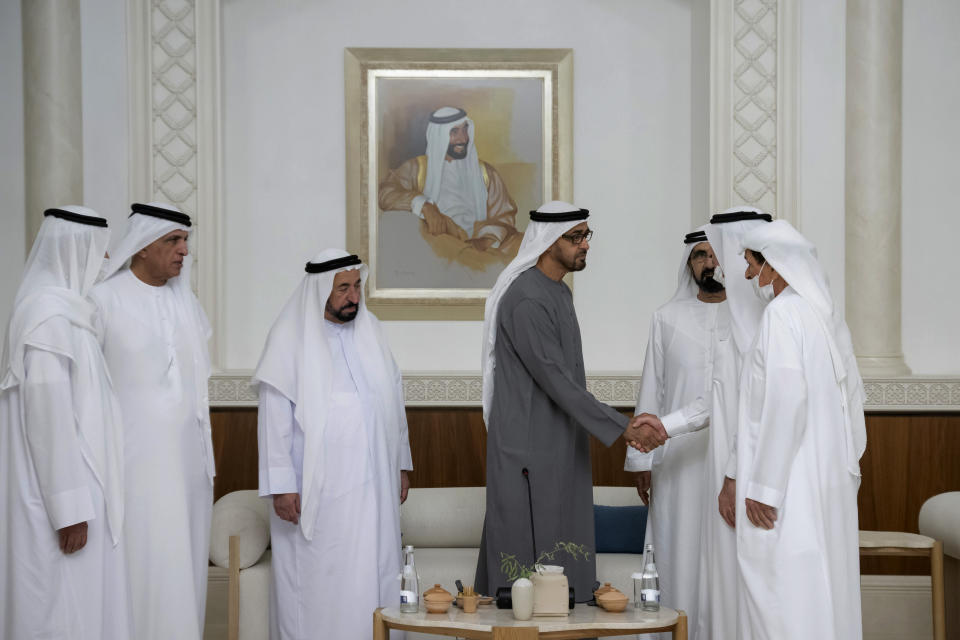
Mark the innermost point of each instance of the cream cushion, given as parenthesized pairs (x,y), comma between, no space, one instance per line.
(940,518)
(243,514)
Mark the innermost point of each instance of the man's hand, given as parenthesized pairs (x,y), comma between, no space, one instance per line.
(73,538)
(727,501)
(439,223)
(482,243)
(287,506)
(642,478)
(761,515)
(404,485)
(645,432)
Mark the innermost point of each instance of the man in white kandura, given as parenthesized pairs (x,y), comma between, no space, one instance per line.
(62,567)
(731,336)
(154,335)
(800,439)
(689,353)
(334,456)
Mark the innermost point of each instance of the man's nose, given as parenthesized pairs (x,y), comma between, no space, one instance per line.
(353,297)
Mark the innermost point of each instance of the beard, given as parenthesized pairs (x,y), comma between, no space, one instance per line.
(458,155)
(706,283)
(577,263)
(346,313)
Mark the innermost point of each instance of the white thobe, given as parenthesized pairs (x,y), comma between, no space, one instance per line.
(802,578)
(46,484)
(169,494)
(335,581)
(689,354)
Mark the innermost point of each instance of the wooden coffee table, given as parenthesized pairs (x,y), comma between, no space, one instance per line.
(498,624)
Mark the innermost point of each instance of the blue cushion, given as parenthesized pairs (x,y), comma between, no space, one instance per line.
(619,529)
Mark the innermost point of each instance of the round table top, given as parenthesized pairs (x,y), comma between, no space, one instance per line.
(581,617)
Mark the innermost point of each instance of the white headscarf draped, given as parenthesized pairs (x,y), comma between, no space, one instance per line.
(538,237)
(686,286)
(296,361)
(62,267)
(438,140)
(745,307)
(795,258)
(143,230)
(60,271)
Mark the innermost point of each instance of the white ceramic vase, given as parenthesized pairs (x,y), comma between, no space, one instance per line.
(521,594)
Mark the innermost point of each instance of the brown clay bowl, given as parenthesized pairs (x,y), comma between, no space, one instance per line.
(613,601)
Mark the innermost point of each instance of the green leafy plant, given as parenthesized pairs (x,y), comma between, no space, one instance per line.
(511,568)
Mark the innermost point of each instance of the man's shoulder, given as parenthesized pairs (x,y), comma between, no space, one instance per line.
(528,289)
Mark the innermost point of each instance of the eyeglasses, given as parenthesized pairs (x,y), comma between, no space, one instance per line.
(579,237)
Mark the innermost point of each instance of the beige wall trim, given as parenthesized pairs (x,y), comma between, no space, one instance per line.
(232,389)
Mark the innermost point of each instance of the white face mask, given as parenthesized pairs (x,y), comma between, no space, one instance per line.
(718,275)
(765,292)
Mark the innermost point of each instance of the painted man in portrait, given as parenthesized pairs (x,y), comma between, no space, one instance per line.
(461,199)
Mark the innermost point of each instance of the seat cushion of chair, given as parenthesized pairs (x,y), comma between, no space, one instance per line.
(879,539)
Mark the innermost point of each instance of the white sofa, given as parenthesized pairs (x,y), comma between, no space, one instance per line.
(444,526)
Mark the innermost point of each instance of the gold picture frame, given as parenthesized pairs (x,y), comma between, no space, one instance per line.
(386,88)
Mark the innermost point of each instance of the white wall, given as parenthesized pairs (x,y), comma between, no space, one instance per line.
(105,134)
(12,215)
(639,143)
(633,152)
(821,133)
(931,176)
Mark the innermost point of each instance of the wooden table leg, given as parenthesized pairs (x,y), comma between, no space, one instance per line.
(515,633)
(380,629)
(936,591)
(680,631)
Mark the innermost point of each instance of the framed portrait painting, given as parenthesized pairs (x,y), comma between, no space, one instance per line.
(447,151)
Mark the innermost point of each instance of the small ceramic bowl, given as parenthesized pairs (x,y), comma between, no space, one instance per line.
(437,599)
(613,601)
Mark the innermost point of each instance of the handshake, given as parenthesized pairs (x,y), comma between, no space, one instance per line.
(645,432)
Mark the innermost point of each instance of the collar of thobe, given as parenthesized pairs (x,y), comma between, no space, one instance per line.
(540,234)
(296,361)
(725,233)
(795,259)
(438,140)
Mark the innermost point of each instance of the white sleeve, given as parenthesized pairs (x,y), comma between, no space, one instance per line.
(650,395)
(783,416)
(406,459)
(51,433)
(275,426)
(690,417)
(416,205)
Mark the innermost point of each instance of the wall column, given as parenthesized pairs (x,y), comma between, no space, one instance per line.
(873,163)
(53,119)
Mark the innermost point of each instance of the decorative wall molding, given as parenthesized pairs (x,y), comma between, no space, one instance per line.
(174,79)
(753,78)
(232,389)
